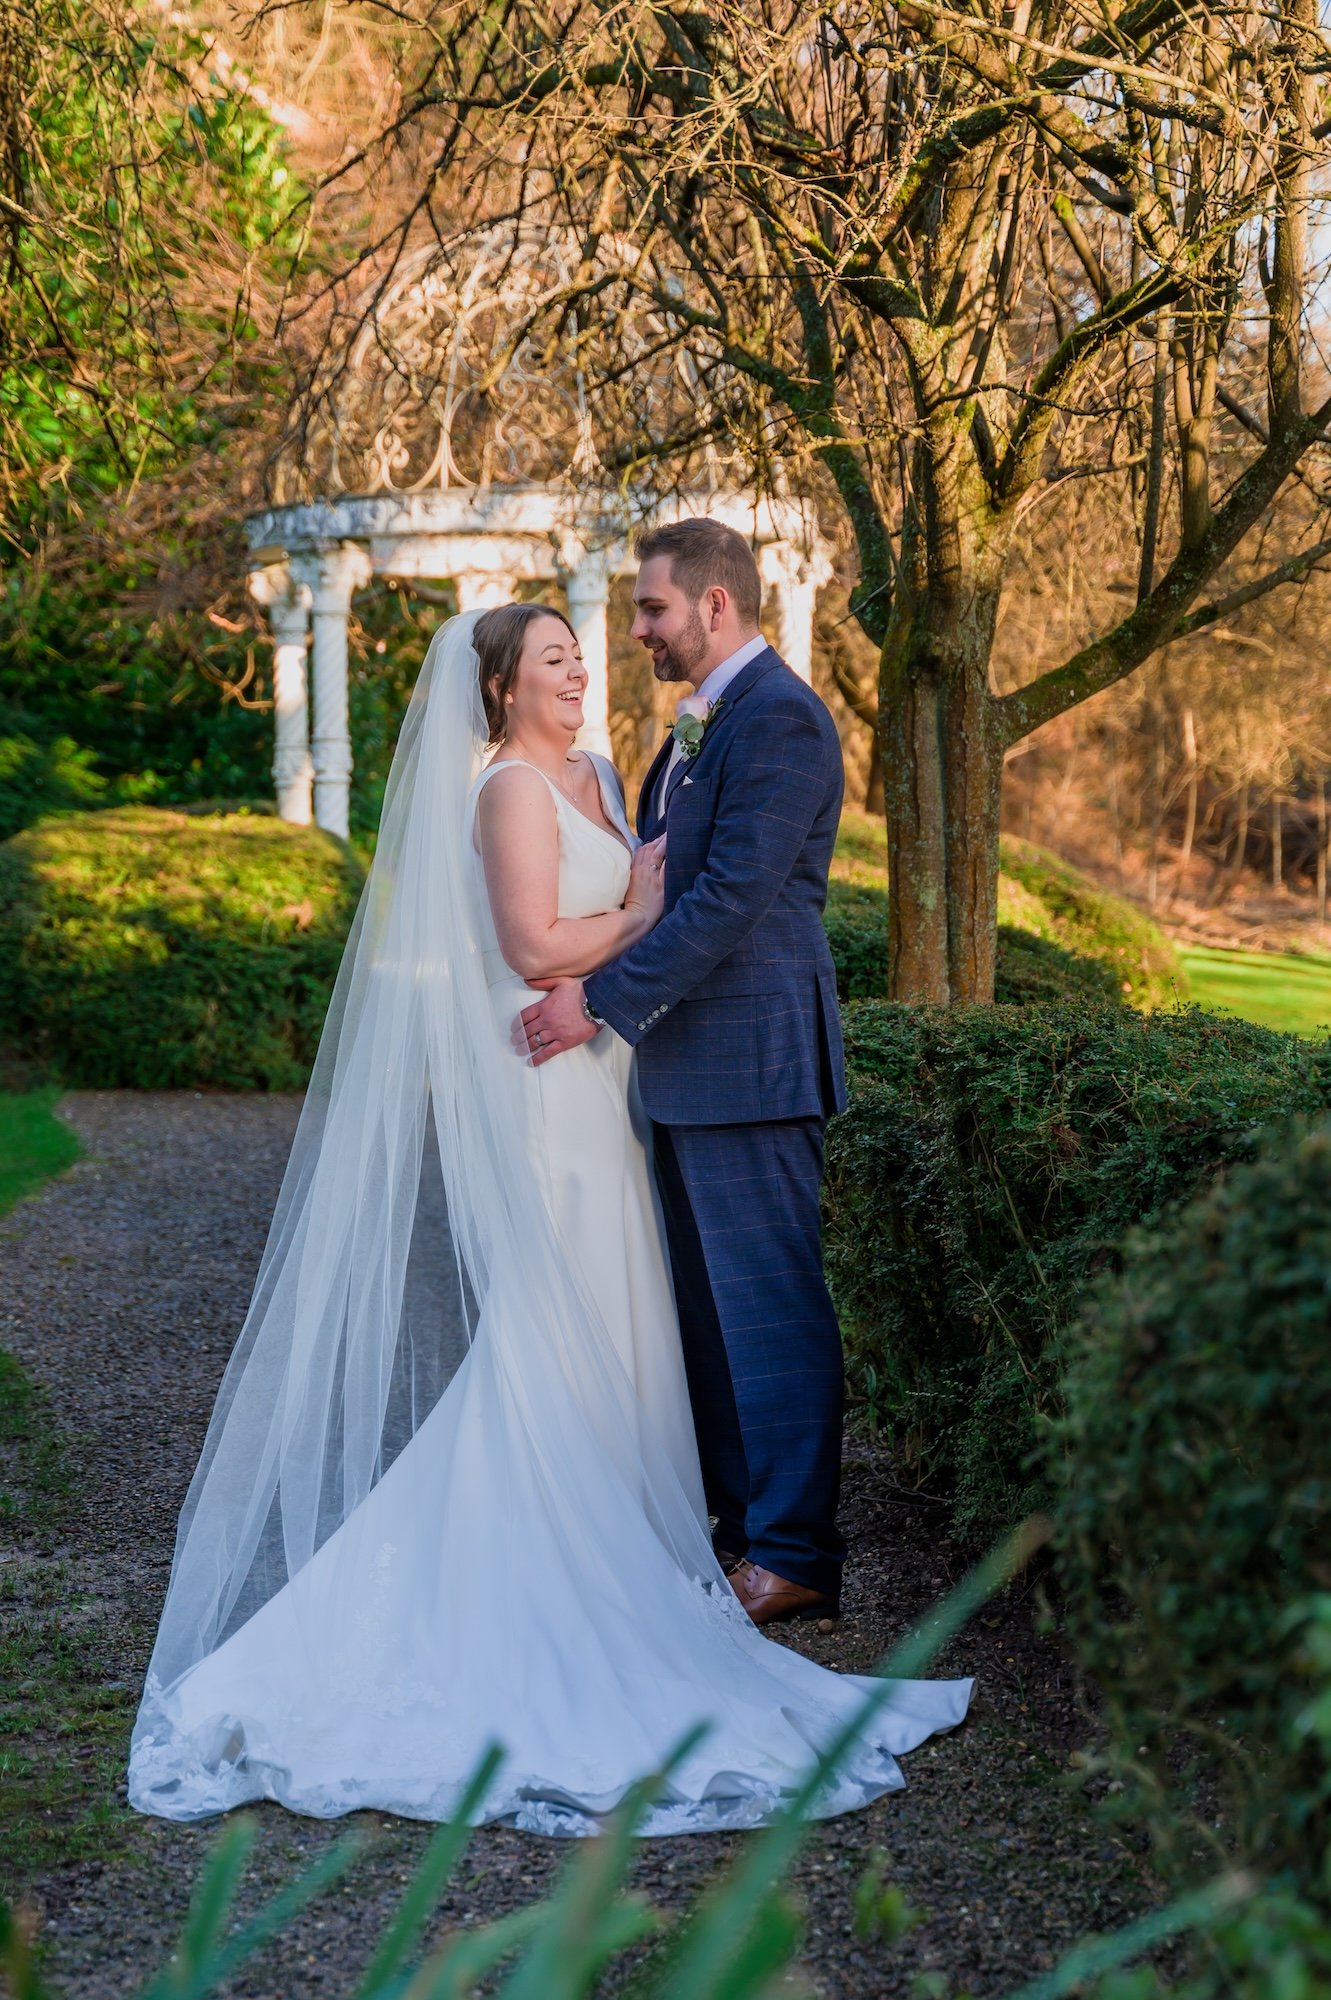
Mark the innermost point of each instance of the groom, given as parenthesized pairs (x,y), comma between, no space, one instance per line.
(731,1005)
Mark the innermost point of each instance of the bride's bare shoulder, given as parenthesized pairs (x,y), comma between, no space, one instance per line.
(512,778)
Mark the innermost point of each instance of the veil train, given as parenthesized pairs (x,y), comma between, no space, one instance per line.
(352,1611)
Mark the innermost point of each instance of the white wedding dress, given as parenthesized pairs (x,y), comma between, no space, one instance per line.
(513,1576)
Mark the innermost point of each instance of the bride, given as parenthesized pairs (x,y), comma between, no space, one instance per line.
(450,1494)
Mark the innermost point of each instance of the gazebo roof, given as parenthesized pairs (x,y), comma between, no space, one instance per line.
(529,529)
(446,443)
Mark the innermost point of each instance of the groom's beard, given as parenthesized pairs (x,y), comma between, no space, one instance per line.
(678,662)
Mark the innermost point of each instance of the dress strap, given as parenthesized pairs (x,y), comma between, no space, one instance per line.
(521,764)
(608,785)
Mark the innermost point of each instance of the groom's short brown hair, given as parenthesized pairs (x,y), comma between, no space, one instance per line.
(703,554)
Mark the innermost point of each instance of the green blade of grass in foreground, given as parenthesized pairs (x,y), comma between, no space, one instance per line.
(199,1968)
(21,1979)
(759,1968)
(454,1969)
(429,1881)
(190,1976)
(590,1919)
(210,1905)
(729,1915)
(1195,1912)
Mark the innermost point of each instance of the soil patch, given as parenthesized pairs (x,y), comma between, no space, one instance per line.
(123,1287)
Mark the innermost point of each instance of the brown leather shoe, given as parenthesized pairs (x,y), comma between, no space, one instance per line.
(729,1563)
(768,1597)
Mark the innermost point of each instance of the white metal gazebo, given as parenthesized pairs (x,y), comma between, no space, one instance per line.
(475,472)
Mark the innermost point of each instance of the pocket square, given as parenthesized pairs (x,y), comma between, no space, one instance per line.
(686,781)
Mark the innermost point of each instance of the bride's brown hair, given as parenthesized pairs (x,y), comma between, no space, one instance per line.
(498,637)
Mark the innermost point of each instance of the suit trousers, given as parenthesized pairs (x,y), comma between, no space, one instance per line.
(762,1347)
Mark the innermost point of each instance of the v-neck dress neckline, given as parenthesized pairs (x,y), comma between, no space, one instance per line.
(609,804)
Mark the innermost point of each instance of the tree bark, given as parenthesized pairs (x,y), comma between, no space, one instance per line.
(943,773)
(873,790)
(1156,807)
(1277,843)
(1240,853)
(1190,810)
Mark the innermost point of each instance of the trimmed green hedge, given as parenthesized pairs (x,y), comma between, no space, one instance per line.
(148,949)
(1060,936)
(990,1163)
(41,777)
(1030,968)
(1047,896)
(1195,1517)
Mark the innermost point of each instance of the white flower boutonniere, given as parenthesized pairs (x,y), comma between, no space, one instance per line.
(692,724)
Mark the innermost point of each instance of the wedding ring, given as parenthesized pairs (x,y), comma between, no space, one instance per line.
(538,1042)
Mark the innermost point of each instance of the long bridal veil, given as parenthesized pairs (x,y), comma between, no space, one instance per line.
(432,1509)
(409,1207)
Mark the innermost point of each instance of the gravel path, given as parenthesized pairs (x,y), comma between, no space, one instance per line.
(121,1289)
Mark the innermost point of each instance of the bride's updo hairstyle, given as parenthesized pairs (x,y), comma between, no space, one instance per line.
(499,637)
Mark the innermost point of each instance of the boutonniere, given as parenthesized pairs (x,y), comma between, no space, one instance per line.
(692,725)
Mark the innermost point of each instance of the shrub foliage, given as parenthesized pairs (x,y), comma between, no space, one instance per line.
(41,777)
(990,1163)
(1052,899)
(1060,936)
(1030,967)
(1196,1508)
(153,950)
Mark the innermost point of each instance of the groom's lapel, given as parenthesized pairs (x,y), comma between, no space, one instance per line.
(744,683)
(746,679)
(647,790)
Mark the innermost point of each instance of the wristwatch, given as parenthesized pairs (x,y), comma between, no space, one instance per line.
(596,1019)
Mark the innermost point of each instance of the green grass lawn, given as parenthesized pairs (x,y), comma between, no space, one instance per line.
(34,1144)
(64,1716)
(1275,989)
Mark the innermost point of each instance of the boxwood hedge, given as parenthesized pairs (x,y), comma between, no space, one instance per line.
(1031,968)
(1195,1511)
(991,1162)
(150,949)
(1060,936)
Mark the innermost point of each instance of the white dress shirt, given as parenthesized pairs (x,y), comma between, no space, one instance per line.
(710,690)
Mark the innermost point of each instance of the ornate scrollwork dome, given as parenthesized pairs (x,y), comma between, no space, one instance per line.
(460,370)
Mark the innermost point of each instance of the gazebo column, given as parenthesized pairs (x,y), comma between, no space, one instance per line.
(287,604)
(587,582)
(794,579)
(331,574)
(481,590)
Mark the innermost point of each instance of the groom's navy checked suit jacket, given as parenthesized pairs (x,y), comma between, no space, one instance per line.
(731,999)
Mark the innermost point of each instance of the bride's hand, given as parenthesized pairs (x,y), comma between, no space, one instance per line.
(646,892)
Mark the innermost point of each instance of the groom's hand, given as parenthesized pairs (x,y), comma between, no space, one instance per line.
(555,1023)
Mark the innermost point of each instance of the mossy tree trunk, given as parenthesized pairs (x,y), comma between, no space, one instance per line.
(942,749)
